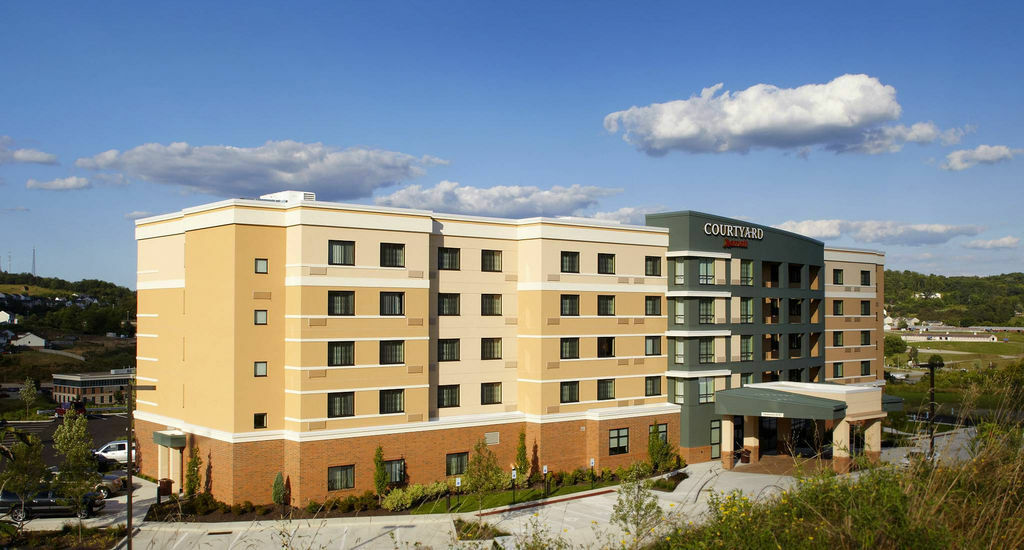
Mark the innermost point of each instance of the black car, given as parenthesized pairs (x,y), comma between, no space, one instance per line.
(47,503)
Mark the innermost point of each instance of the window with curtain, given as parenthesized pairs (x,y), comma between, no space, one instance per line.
(570,392)
(837,307)
(837,370)
(341,252)
(392,401)
(865,307)
(706,273)
(652,385)
(652,305)
(448,349)
(865,368)
(341,302)
(490,348)
(392,255)
(606,264)
(490,304)
(395,470)
(652,266)
(865,278)
(705,389)
(455,464)
(747,347)
(680,266)
(661,430)
(447,304)
(652,345)
(341,477)
(747,272)
(837,276)
(392,352)
(570,262)
(746,378)
(392,303)
(618,441)
(606,346)
(865,337)
(448,396)
(448,258)
(569,348)
(706,311)
(706,350)
(341,354)
(746,310)
(341,404)
(606,389)
(606,305)
(680,311)
(490,393)
(837,338)
(490,260)
(570,305)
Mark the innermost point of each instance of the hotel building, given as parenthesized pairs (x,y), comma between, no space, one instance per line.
(854,324)
(291,335)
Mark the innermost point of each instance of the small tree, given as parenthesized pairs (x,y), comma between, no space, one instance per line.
(483,474)
(912,354)
(636,508)
(936,362)
(22,472)
(78,474)
(380,473)
(660,453)
(277,493)
(522,462)
(894,344)
(192,472)
(28,394)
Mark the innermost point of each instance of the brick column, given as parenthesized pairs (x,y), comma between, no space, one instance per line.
(728,455)
(841,447)
(784,440)
(873,440)
(751,440)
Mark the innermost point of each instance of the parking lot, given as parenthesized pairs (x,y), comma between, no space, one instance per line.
(103,428)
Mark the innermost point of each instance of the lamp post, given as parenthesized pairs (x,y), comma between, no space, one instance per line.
(132,388)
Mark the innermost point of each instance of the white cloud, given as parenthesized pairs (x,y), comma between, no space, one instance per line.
(60,184)
(845,114)
(627,214)
(16,209)
(136,214)
(1003,242)
(223,170)
(881,232)
(982,154)
(513,201)
(9,155)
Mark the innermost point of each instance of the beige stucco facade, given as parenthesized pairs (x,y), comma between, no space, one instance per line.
(860,319)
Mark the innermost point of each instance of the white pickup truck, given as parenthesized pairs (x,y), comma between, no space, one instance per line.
(115,450)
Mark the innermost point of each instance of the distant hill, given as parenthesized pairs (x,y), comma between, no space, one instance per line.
(965,301)
(88,306)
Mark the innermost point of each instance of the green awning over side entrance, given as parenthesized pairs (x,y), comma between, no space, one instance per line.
(891,403)
(749,401)
(169,439)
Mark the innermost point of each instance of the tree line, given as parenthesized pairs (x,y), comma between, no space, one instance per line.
(966,300)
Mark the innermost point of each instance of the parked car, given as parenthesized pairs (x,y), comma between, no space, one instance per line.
(109,484)
(47,503)
(115,450)
(77,406)
(104,464)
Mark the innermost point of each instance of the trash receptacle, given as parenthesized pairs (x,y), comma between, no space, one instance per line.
(164,488)
(745,456)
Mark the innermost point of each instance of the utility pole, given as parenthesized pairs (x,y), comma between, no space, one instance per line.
(132,388)
(931,413)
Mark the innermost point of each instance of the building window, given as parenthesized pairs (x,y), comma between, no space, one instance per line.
(837,339)
(652,385)
(795,307)
(259,368)
(395,470)
(259,421)
(705,389)
(490,304)
(837,370)
(706,351)
(865,337)
(448,349)
(341,477)
(661,430)
(392,255)
(652,266)
(837,276)
(746,310)
(570,392)
(490,260)
(570,305)
(680,266)
(448,259)
(606,346)
(262,265)
(796,341)
(447,304)
(747,272)
(341,404)
(392,401)
(260,317)
(392,352)
(490,393)
(341,354)
(490,348)
(747,347)
(706,275)
(746,378)
(570,262)
(606,305)
(618,441)
(680,311)
(837,307)
(392,303)
(569,348)
(341,252)
(455,464)
(865,368)
(652,305)
(448,396)
(341,302)
(652,345)
(865,278)
(706,311)
(605,389)
(606,264)
(865,307)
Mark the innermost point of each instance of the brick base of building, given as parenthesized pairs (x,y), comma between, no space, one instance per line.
(239,472)
(695,455)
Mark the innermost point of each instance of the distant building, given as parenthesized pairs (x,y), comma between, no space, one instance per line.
(29,340)
(931,336)
(7,318)
(94,387)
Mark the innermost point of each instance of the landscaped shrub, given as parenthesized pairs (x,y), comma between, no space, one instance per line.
(556,478)
(346,505)
(236,509)
(263,510)
(224,507)
(247,507)
(312,507)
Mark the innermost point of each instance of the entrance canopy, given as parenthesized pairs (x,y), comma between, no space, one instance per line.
(754,401)
(170,438)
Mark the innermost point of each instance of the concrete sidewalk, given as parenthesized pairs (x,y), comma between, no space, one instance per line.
(114,512)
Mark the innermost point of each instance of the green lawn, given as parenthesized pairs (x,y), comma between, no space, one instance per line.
(39,291)
(13,408)
(504,498)
(915,399)
(993,348)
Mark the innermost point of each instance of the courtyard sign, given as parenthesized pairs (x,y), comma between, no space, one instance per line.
(738,231)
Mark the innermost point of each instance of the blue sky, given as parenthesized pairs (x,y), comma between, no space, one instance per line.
(893,126)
